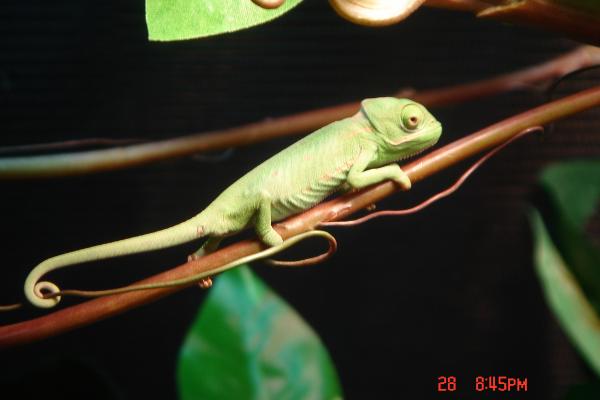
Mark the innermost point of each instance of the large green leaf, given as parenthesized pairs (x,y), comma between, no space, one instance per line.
(566,260)
(565,297)
(575,187)
(188,19)
(572,192)
(247,343)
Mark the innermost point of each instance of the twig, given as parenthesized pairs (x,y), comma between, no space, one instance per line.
(94,310)
(67,144)
(543,14)
(55,165)
(549,16)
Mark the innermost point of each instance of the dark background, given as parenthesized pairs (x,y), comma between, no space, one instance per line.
(450,291)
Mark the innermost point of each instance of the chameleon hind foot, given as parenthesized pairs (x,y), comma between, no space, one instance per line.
(262,224)
(207,282)
(271,238)
(208,247)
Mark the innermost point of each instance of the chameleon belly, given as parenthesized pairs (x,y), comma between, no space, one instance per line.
(309,196)
(300,176)
(310,170)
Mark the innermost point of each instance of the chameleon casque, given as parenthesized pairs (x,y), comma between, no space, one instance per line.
(354,152)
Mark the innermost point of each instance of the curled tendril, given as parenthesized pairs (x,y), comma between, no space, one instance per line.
(308,261)
(555,87)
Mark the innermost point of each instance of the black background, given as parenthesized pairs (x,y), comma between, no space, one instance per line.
(450,291)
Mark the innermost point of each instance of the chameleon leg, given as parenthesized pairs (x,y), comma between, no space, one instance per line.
(211,244)
(359,176)
(262,224)
(376,175)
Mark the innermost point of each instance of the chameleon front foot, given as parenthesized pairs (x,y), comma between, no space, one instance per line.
(403,180)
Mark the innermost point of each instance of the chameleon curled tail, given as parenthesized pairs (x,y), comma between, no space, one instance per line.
(56,294)
(46,294)
(36,291)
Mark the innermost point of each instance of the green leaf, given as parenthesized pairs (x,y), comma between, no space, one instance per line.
(247,343)
(565,297)
(188,19)
(572,192)
(575,187)
(566,261)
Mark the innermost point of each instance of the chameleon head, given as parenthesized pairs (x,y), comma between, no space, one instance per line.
(402,127)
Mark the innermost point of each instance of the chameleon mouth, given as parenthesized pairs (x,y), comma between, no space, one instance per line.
(415,138)
(426,147)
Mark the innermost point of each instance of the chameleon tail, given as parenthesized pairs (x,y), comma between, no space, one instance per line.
(36,291)
(198,277)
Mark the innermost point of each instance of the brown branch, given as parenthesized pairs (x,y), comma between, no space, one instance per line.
(46,166)
(67,144)
(543,14)
(94,310)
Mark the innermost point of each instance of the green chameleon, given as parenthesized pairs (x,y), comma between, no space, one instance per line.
(352,153)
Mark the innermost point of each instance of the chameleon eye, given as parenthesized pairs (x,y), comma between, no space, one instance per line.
(411,117)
